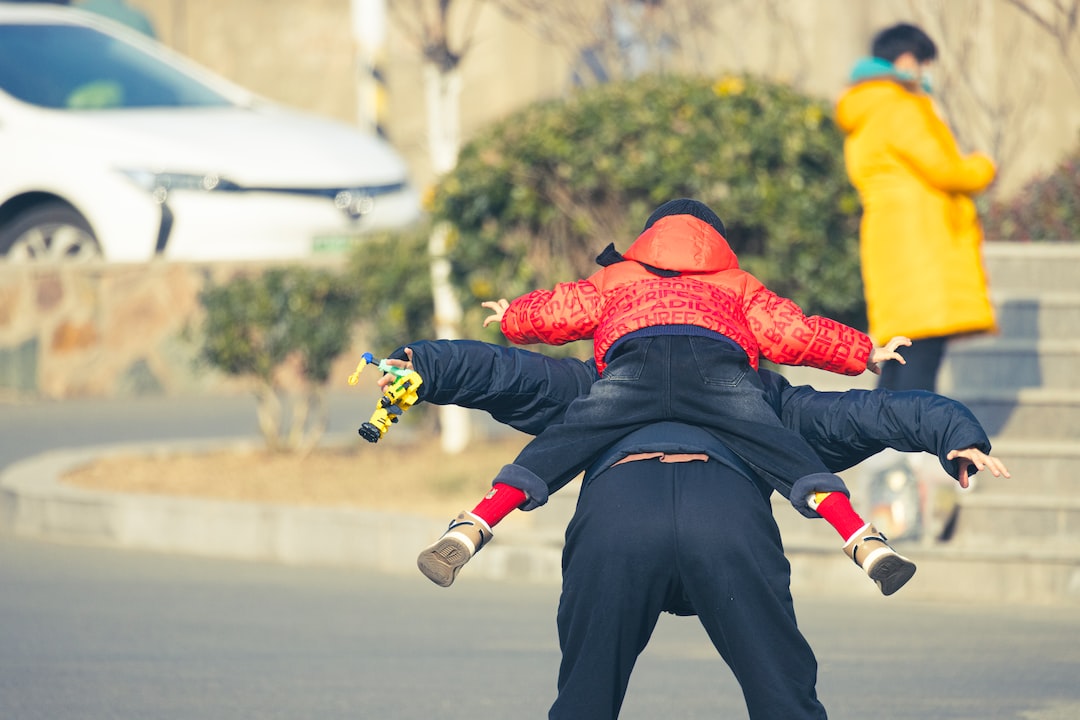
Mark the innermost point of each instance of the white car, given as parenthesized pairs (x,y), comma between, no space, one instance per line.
(113,146)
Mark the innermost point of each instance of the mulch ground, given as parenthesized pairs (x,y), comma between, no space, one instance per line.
(406,475)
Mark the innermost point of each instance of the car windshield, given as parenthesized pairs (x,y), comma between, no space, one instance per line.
(68,67)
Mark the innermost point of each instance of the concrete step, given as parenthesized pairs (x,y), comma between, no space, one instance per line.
(1046,576)
(1039,467)
(1025,414)
(1032,268)
(1020,520)
(1050,315)
(1012,363)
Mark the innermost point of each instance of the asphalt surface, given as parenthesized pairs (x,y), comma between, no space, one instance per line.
(89,633)
(31,428)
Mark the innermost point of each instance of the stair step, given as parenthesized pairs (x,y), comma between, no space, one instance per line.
(1040,467)
(1034,575)
(1020,520)
(1025,414)
(1042,315)
(1003,363)
(1034,268)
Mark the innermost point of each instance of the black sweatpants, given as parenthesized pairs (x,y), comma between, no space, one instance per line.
(700,381)
(651,536)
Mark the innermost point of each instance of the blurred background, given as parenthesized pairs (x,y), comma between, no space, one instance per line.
(426,79)
(220,197)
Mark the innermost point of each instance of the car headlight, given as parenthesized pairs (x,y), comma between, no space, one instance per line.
(160,184)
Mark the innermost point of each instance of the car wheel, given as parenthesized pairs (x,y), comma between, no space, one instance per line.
(51,232)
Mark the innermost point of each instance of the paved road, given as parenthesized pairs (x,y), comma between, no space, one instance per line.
(30,428)
(89,633)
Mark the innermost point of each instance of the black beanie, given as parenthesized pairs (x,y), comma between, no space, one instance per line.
(685,206)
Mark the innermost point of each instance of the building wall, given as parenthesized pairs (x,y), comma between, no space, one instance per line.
(1010,91)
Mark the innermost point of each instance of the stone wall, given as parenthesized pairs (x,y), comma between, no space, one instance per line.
(109,331)
(97,331)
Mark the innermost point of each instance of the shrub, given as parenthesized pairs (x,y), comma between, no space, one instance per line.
(537,196)
(256,325)
(1047,208)
(391,277)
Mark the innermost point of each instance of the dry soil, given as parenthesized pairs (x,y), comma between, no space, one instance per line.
(412,475)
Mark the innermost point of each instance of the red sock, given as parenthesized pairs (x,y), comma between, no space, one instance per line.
(500,502)
(837,511)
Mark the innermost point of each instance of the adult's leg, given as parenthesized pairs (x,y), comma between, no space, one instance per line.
(735,575)
(920,370)
(619,572)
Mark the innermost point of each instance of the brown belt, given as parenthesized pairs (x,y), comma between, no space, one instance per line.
(664,457)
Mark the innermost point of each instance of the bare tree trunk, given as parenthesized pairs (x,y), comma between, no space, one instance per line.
(269,412)
(443,91)
(369,29)
(1060,19)
(308,421)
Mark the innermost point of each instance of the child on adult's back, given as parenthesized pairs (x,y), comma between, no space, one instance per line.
(678,329)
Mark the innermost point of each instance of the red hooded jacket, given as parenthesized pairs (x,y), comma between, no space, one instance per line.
(711,293)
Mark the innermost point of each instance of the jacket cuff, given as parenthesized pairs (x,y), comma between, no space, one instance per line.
(814,483)
(527,482)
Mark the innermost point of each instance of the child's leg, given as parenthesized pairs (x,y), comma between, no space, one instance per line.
(467,533)
(548,462)
(500,501)
(867,547)
(836,508)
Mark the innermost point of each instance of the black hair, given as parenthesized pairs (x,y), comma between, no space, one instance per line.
(894,41)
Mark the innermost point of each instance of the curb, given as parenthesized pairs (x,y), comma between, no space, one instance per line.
(34,503)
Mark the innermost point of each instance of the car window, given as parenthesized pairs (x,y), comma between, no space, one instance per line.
(78,68)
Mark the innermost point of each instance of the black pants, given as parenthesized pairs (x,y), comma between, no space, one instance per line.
(923,361)
(697,380)
(649,536)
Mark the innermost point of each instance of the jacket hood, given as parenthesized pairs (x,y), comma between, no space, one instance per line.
(863,99)
(683,243)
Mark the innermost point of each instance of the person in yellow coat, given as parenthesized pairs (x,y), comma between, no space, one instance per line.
(920,237)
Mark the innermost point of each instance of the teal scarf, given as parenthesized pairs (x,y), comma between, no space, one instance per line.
(872,67)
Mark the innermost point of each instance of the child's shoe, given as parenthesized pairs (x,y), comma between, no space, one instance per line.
(870,550)
(463,539)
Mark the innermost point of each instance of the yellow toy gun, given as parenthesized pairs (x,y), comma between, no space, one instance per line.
(397,397)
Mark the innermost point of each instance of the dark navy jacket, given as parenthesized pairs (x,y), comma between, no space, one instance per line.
(529,391)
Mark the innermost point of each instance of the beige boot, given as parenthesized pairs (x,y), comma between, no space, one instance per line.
(870,550)
(442,560)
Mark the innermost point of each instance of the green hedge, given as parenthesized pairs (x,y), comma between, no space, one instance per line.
(255,322)
(1045,209)
(539,194)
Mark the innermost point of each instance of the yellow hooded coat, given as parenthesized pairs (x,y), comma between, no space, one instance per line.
(920,237)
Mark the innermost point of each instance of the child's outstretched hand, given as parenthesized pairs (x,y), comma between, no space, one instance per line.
(880,355)
(388,378)
(498,307)
(980,461)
